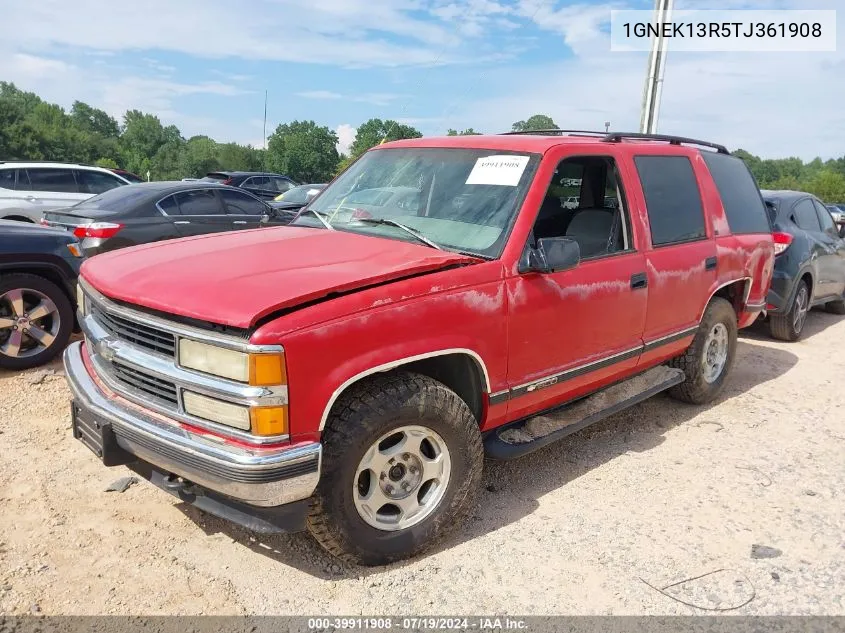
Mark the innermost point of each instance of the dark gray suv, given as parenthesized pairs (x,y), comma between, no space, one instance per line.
(809,263)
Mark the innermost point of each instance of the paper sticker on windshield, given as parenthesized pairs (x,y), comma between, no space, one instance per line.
(498,170)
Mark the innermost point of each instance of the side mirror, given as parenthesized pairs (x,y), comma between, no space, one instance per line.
(551,255)
(842,230)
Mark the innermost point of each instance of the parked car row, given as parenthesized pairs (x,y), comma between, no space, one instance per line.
(29,189)
(348,372)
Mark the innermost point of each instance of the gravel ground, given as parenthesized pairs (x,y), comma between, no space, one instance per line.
(600,523)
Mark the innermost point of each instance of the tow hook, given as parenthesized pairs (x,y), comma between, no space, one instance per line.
(177,483)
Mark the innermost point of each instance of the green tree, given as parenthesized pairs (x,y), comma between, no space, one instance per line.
(536,122)
(466,132)
(304,151)
(827,185)
(375,131)
(93,120)
(142,136)
(106,163)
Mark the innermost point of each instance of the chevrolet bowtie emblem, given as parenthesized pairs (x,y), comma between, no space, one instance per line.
(107,348)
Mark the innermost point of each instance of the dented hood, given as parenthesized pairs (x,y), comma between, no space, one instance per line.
(237,278)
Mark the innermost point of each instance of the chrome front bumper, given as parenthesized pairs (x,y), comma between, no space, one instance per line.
(256,475)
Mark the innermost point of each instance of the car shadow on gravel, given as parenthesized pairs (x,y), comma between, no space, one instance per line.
(510,490)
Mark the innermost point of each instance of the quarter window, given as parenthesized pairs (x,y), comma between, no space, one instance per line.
(54,180)
(169,205)
(804,215)
(672,198)
(740,196)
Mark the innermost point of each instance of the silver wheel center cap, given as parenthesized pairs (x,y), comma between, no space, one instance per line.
(401,477)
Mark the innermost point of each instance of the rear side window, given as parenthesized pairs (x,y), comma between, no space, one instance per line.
(804,215)
(828,225)
(740,195)
(169,206)
(55,180)
(7,178)
(672,199)
(96,182)
(198,202)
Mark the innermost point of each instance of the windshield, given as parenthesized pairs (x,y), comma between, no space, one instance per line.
(461,199)
(298,195)
(117,199)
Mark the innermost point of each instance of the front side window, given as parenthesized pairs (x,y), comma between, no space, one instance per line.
(461,199)
(280,184)
(672,198)
(53,180)
(596,217)
(198,202)
(804,215)
(96,182)
(238,203)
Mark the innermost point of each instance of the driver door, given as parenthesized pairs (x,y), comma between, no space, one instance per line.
(577,329)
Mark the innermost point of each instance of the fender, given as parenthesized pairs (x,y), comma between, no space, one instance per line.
(399,362)
(747,281)
(806,269)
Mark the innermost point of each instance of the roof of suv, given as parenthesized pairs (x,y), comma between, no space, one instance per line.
(243,173)
(27,164)
(541,142)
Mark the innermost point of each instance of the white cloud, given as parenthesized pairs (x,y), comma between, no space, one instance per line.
(375,98)
(346,136)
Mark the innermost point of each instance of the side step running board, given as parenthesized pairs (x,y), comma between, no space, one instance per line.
(526,436)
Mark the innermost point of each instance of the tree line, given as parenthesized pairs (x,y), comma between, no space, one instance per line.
(33,129)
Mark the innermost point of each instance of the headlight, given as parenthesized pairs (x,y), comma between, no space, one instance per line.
(216,410)
(80,299)
(255,369)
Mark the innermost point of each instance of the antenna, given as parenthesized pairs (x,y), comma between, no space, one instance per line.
(265,130)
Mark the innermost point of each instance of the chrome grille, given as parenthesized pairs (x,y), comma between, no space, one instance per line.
(145,336)
(154,387)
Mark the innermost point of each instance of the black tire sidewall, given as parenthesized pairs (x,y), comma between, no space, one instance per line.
(64,307)
(802,285)
(719,311)
(370,545)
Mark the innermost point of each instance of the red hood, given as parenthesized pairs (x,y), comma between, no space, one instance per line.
(237,278)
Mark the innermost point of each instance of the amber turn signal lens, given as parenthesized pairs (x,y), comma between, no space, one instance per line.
(267,370)
(269,420)
(74,250)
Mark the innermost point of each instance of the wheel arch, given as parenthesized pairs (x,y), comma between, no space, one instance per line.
(461,369)
(734,291)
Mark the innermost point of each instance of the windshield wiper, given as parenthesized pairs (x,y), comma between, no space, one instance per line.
(320,216)
(413,232)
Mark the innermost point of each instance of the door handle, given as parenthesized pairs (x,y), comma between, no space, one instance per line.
(239,222)
(710,263)
(30,198)
(181,222)
(639,280)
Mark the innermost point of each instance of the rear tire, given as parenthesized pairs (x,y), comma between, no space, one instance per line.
(708,360)
(25,344)
(789,325)
(352,512)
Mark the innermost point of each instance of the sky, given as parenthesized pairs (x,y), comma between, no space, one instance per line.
(204,65)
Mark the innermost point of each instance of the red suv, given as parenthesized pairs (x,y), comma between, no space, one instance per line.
(348,372)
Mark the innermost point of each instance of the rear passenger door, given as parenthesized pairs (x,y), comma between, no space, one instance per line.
(46,188)
(199,211)
(681,261)
(832,266)
(245,211)
(805,216)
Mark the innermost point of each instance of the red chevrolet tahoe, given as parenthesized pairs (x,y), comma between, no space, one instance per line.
(436,303)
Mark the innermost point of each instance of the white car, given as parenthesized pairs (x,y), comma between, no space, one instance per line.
(569,203)
(28,189)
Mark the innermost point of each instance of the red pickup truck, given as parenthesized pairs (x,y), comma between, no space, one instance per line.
(348,373)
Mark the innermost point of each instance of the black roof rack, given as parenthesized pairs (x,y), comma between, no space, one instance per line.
(555,131)
(617,137)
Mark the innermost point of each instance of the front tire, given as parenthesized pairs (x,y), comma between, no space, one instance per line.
(36,321)
(402,461)
(788,326)
(708,360)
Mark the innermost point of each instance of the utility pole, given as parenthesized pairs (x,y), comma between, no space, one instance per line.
(265,131)
(656,69)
